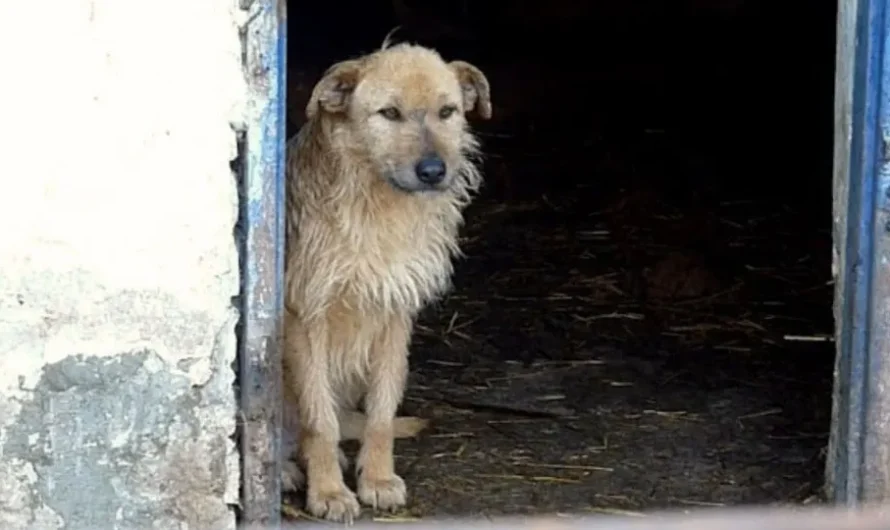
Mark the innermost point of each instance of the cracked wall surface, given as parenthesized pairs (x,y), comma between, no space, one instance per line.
(118,264)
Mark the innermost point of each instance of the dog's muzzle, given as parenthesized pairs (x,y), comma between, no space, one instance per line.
(429,174)
(430,170)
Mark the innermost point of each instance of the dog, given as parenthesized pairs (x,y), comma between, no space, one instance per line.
(378,179)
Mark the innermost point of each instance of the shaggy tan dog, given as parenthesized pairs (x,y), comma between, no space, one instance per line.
(378,178)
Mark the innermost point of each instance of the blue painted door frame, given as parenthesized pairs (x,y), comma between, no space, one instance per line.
(858,463)
(264,41)
(860,433)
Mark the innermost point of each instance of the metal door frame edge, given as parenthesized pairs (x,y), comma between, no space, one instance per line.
(859,431)
(263,203)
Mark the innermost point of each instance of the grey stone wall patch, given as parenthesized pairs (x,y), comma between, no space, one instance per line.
(125,437)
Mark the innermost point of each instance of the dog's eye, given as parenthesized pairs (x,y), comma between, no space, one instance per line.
(390,113)
(447,111)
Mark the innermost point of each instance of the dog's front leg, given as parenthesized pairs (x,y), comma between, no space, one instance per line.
(327,495)
(378,484)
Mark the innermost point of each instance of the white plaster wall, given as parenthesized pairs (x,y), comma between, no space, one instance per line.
(117,263)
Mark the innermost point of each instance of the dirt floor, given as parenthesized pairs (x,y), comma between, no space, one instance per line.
(618,346)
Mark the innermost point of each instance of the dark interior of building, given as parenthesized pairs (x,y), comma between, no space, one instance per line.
(643,318)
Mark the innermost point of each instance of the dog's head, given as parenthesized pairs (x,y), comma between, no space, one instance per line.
(405,108)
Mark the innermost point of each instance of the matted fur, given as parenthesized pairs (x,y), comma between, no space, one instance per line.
(367,248)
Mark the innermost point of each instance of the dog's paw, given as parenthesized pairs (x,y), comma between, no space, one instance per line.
(338,505)
(388,494)
(292,477)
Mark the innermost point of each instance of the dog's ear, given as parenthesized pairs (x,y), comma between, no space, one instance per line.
(475,88)
(332,92)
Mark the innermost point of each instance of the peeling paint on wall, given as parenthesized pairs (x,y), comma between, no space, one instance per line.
(118,264)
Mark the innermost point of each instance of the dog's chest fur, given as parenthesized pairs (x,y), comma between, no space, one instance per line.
(393,259)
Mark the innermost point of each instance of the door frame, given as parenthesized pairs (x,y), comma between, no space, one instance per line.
(859,444)
(264,47)
(858,459)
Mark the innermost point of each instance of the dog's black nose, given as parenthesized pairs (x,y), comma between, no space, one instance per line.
(430,170)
